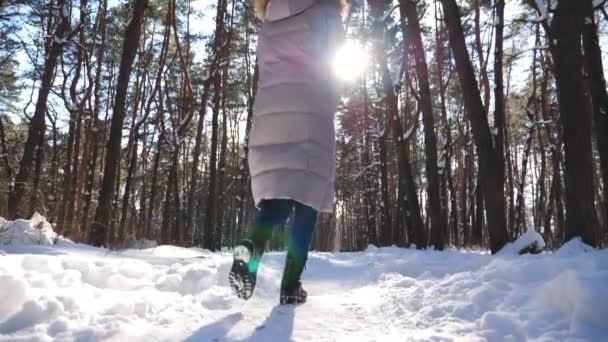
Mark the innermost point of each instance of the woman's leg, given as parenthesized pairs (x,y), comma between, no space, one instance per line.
(248,253)
(271,214)
(297,253)
(303,226)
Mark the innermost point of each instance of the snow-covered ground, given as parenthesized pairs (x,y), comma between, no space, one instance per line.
(72,292)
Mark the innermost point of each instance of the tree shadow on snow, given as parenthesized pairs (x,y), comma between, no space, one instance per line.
(278,326)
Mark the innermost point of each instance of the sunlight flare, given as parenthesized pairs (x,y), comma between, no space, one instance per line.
(350,61)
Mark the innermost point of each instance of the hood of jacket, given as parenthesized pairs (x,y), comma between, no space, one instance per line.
(281,9)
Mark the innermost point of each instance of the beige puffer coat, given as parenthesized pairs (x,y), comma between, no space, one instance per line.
(292,139)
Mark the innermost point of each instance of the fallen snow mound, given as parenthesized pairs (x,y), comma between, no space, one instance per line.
(573,247)
(35,231)
(529,242)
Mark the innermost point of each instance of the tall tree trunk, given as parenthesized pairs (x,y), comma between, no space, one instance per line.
(74,195)
(224,142)
(531,113)
(52,199)
(222,161)
(132,162)
(154,186)
(67,176)
(190,216)
(597,85)
(499,98)
(37,125)
(485,81)
(170,227)
(408,9)
(369,174)
(557,193)
(400,139)
(453,223)
(243,200)
(245,180)
(477,227)
(8,171)
(545,110)
(34,201)
(210,214)
(520,220)
(149,211)
(509,163)
(210,233)
(464,196)
(103,213)
(565,32)
(489,144)
(93,135)
(385,218)
(131,152)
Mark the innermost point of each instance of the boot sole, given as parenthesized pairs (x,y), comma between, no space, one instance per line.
(241,280)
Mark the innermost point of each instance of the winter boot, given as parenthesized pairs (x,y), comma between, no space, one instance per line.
(244,269)
(291,285)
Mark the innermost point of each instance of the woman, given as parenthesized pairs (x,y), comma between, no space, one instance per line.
(292,140)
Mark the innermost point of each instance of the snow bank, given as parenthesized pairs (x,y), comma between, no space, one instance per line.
(35,231)
(77,293)
(13,294)
(84,293)
(574,247)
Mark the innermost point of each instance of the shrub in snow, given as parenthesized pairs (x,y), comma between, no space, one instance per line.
(530,242)
(532,249)
(143,244)
(35,231)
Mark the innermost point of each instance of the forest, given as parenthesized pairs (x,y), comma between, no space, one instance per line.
(469,123)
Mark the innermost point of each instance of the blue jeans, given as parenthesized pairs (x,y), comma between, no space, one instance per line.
(275,212)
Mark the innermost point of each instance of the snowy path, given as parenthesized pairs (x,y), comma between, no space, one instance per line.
(78,293)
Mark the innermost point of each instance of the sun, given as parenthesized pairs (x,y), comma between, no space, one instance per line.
(350,61)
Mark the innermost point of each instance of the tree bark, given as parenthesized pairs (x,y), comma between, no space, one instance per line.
(221,165)
(385,219)
(489,144)
(210,233)
(408,9)
(8,171)
(565,32)
(190,216)
(597,85)
(34,201)
(410,201)
(93,134)
(485,81)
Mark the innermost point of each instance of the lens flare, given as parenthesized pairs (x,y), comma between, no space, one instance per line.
(350,61)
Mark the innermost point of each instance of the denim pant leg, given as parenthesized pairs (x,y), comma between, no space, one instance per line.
(271,214)
(302,229)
